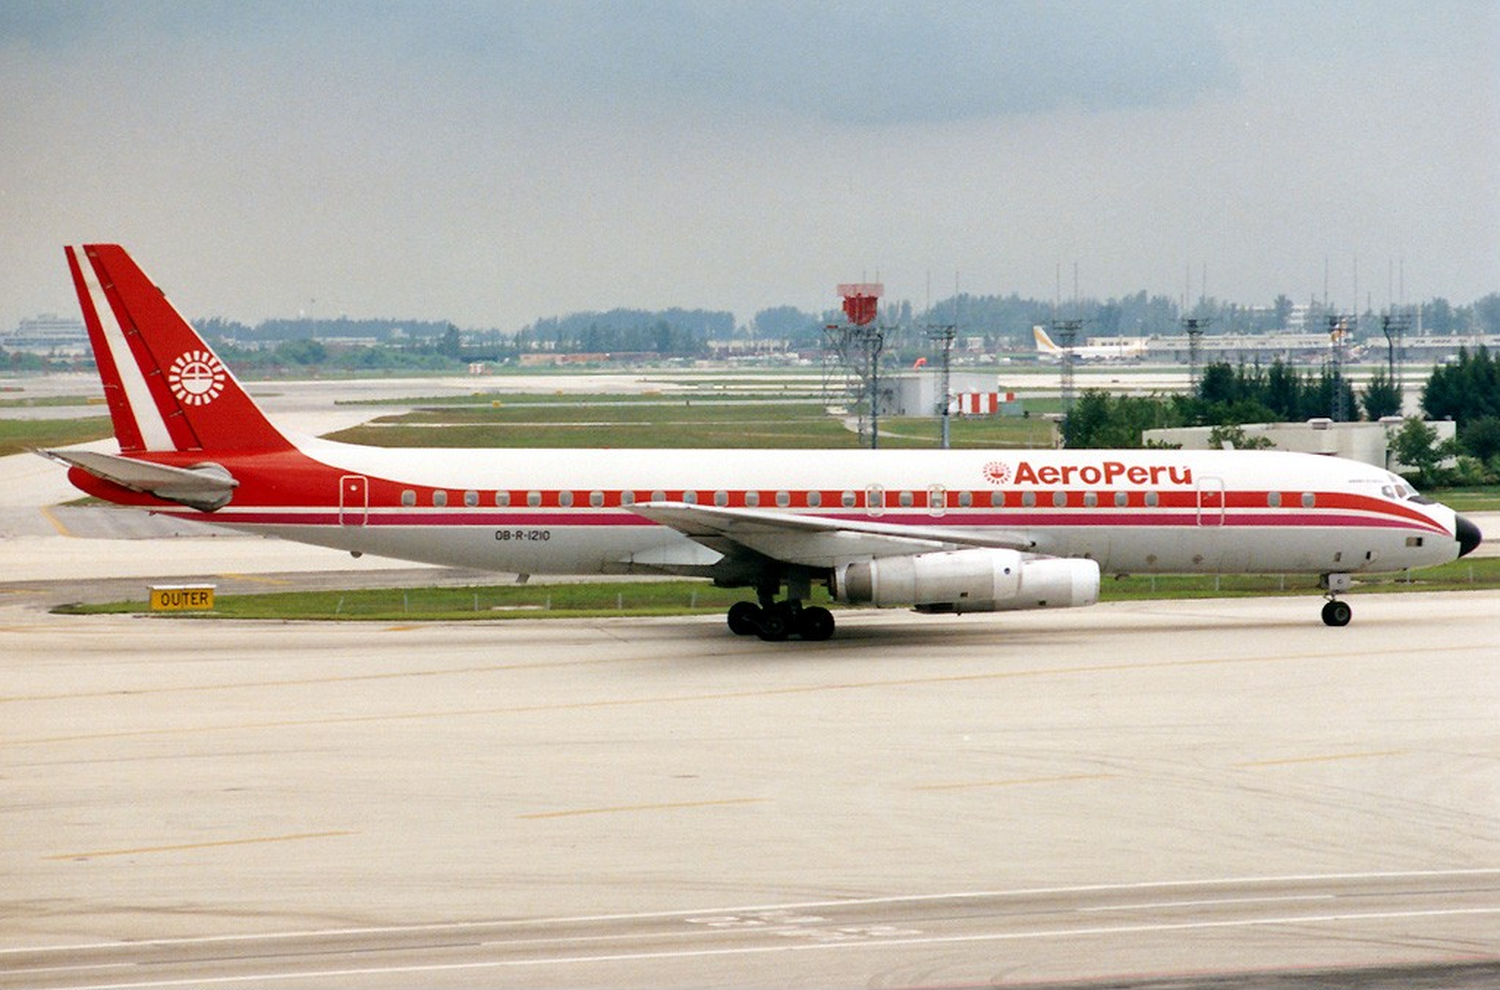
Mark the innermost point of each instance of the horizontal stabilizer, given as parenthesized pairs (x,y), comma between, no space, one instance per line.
(206,487)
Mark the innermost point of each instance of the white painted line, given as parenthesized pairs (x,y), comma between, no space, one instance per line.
(799,947)
(448,926)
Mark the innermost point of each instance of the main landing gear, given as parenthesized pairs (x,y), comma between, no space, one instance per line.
(781,620)
(775,621)
(1335,612)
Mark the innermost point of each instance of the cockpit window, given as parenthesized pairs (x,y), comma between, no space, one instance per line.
(1402,491)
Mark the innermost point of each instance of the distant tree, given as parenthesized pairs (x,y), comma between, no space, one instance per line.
(1437,317)
(1381,397)
(1416,445)
(1283,308)
(1487,313)
(303,352)
(1481,437)
(1466,390)
(1099,419)
(1237,439)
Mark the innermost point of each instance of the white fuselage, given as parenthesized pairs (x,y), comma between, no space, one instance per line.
(569,511)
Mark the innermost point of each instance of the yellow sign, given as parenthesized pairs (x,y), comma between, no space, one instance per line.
(181,597)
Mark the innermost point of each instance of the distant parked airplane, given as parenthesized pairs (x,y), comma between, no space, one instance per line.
(1097,349)
(937,530)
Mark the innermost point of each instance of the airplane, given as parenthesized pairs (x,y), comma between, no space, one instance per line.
(1097,349)
(939,531)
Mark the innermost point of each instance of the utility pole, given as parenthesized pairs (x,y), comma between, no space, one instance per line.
(1338,330)
(1194,327)
(1066,334)
(1393,325)
(943,334)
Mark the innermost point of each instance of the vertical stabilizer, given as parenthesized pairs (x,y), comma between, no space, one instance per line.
(166,388)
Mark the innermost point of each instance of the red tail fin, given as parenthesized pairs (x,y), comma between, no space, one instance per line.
(166,388)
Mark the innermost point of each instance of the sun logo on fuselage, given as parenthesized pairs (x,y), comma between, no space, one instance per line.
(997,472)
(196,378)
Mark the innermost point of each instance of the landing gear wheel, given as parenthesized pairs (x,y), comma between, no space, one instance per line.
(775,625)
(1337,613)
(816,623)
(744,618)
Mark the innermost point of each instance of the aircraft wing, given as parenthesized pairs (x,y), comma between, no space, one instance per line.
(207,488)
(816,541)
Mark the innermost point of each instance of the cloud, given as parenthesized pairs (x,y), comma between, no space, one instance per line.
(875,63)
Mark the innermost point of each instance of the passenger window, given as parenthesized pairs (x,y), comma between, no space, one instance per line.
(965,499)
(997,500)
(658,496)
(1028,499)
(906,500)
(627,497)
(721,498)
(471,499)
(408,498)
(596,499)
(564,499)
(502,499)
(1309,500)
(1091,499)
(814,499)
(1152,499)
(1122,499)
(691,498)
(783,499)
(752,499)
(440,498)
(533,499)
(1273,499)
(849,500)
(1060,499)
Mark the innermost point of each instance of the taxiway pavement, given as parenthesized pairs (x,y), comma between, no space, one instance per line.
(1141,791)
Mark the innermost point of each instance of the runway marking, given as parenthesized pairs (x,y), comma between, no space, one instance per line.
(103,853)
(641,807)
(295,681)
(962,895)
(1326,758)
(57,523)
(1017,782)
(1207,902)
(254,578)
(810,946)
(998,675)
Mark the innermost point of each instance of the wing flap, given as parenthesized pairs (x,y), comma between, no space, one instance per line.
(817,541)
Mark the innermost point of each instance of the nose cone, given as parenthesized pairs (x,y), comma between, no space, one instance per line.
(1468,535)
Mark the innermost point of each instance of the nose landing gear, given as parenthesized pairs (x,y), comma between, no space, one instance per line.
(1335,612)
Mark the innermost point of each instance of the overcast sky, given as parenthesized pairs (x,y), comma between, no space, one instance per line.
(491,163)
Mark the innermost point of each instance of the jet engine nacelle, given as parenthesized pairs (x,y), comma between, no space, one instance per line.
(968,581)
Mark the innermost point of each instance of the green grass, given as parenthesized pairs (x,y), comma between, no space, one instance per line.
(52,401)
(649,598)
(18,435)
(1484,498)
(678,423)
(508,601)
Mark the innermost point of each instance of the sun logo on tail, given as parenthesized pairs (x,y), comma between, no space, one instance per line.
(196,378)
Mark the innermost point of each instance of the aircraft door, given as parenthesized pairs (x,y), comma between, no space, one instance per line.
(354,499)
(1211,501)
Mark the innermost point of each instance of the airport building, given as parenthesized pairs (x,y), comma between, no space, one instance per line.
(1367,442)
(48,334)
